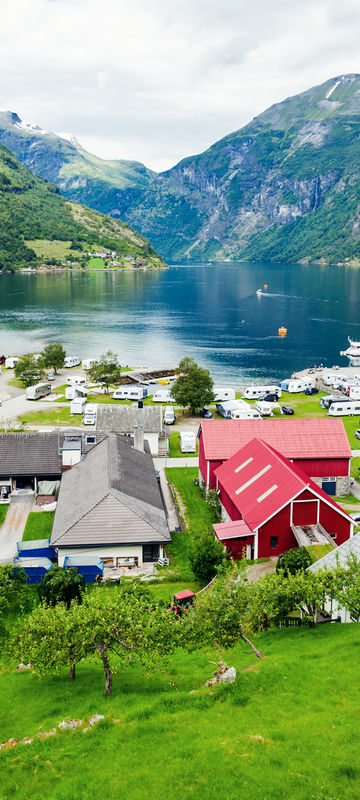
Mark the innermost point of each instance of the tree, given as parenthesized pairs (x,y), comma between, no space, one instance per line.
(106,371)
(293,560)
(28,369)
(13,590)
(207,556)
(194,386)
(61,585)
(53,356)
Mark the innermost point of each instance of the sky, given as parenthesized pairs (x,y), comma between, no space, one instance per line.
(158,80)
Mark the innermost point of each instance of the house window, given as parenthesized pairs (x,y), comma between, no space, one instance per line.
(91,440)
(273,541)
(150,552)
(329,485)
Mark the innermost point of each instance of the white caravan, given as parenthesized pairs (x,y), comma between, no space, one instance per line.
(265,408)
(223,393)
(243,413)
(76,380)
(354,393)
(294,385)
(71,361)
(348,408)
(37,391)
(130,392)
(77,405)
(228,407)
(69,393)
(253,392)
(90,414)
(11,361)
(163,396)
(187,442)
(87,363)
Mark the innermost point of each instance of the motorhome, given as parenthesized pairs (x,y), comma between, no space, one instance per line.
(77,405)
(11,361)
(70,393)
(130,392)
(37,391)
(75,380)
(71,361)
(87,363)
(187,442)
(294,385)
(169,416)
(163,396)
(249,413)
(223,393)
(90,414)
(254,392)
(347,408)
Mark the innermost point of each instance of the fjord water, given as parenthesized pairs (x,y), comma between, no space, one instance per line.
(211,312)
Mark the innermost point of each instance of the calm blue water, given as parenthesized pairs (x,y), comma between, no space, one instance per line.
(211,312)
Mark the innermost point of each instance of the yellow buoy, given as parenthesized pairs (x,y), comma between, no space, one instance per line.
(282,331)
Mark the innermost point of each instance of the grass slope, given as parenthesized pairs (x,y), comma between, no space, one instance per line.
(38,525)
(3,511)
(288,727)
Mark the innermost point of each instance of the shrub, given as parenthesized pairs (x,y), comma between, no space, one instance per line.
(293,560)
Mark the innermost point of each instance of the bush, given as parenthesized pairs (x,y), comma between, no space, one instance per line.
(293,560)
(61,585)
(207,556)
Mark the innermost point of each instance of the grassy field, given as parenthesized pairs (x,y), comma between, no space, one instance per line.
(51,416)
(198,515)
(38,525)
(288,727)
(174,447)
(3,511)
(44,248)
(95,263)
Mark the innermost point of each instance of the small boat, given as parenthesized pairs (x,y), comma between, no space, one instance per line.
(352,352)
(258,291)
(282,331)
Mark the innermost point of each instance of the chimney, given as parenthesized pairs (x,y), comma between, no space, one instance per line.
(139,437)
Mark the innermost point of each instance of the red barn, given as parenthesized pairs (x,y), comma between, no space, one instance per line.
(320,447)
(270,505)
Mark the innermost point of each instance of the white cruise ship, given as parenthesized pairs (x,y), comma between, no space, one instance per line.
(352,353)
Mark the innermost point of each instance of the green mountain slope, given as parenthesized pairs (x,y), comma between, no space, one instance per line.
(33,211)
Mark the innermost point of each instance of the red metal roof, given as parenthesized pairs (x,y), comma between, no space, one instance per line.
(183,595)
(232,530)
(260,481)
(294,438)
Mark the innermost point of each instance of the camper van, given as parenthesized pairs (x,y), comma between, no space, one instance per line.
(163,396)
(254,392)
(71,361)
(347,408)
(130,392)
(187,442)
(75,380)
(294,385)
(223,393)
(87,363)
(169,416)
(243,413)
(37,391)
(90,414)
(11,361)
(77,405)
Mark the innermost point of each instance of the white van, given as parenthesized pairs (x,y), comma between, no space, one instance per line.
(169,416)
(253,392)
(187,442)
(163,396)
(76,380)
(130,392)
(90,414)
(87,363)
(348,408)
(223,393)
(71,361)
(11,361)
(241,413)
(77,405)
(37,391)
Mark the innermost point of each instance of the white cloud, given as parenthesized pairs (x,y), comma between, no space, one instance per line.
(156,81)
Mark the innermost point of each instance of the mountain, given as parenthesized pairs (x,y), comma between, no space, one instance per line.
(39,226)
(285,187)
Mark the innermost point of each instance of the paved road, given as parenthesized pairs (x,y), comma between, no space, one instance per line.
(13,528)
(176,462)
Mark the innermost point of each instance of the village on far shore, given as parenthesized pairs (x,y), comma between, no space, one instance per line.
(284,473)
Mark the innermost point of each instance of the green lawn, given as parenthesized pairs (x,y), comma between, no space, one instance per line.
(348,498)
(95,263)
(3,511)
(198,515)
(174,447)
(288,727)
(51,416)
(317,551)
(38,525)
(355,467)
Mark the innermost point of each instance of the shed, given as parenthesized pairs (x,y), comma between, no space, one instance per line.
(35,568)
(37,548)
(87,566)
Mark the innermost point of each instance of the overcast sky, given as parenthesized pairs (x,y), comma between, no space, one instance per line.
(157,80)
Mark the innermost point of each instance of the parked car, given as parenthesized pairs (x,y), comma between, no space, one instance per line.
(4,493)
(355,517)
(357,433)
(287,410)
(50,376)
(311,390)
(269,398)
(205,413)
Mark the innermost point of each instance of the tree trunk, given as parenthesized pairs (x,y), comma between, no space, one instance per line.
(101,649)
(258,653)
(72,672)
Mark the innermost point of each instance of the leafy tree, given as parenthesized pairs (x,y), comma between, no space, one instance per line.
(194,387)
(207,556)
(28,370)
(61,585)
(293,560)
(13,591)
(53,356)
(107,370)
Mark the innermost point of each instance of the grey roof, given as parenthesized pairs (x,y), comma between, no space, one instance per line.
(36,453)
(111,497)
(113,418)
(339,555)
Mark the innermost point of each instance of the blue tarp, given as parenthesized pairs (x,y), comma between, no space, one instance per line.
(88,566)
(35,568)
(38,548)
